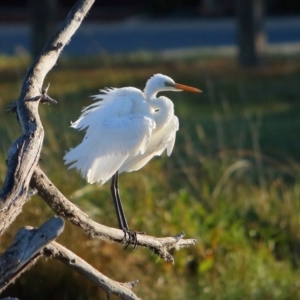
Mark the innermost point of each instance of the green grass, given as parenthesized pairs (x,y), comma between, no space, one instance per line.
(232,181)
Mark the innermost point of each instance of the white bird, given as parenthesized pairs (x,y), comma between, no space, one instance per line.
(124,130)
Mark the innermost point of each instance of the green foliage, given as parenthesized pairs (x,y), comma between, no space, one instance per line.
(232,181)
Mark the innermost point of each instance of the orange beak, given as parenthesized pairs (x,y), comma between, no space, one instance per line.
(187,88)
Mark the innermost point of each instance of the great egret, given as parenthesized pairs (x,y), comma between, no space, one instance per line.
(124,130)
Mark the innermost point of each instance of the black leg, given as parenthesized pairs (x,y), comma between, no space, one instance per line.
(120,206)
(129,235)
(117,201)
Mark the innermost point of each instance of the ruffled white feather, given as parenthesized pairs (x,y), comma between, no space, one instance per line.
(115,130)
(124,128)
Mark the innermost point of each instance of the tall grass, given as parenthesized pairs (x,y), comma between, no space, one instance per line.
(232,182)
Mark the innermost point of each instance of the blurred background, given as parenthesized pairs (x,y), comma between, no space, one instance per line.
(232,181)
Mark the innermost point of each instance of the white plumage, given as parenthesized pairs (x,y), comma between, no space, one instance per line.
(115,130)
(125,128)
(160,141)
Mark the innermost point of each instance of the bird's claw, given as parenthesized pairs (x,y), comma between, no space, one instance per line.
(130,237)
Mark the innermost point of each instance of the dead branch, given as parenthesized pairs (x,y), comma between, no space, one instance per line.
(26,249)
(25,151)
(64,208)
(123,290)
(32,243)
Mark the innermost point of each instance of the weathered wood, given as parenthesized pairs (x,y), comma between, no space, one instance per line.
(32,243)
(26,249)
(64,208)
(25,151)
(123,290)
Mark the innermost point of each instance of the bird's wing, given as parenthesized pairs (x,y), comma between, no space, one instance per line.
(111,103)
(113,133)
(170,140)
(158,143)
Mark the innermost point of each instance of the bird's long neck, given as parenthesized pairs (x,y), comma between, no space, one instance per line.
(162,111)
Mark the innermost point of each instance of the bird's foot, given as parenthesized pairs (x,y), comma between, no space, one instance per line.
(130,237)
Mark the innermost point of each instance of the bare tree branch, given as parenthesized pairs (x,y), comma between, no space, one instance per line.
(57,251)
(25,151)
(63,207)
(26,249)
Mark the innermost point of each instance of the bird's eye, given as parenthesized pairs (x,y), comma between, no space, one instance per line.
(168,83)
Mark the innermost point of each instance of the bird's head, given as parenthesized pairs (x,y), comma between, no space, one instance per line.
(159,83)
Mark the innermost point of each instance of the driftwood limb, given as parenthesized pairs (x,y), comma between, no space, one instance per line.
(32,243)
(26,249)
(25,151)
(64,208)
(123,290)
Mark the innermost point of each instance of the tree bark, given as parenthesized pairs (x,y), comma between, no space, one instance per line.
(26,249)
(25,151)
